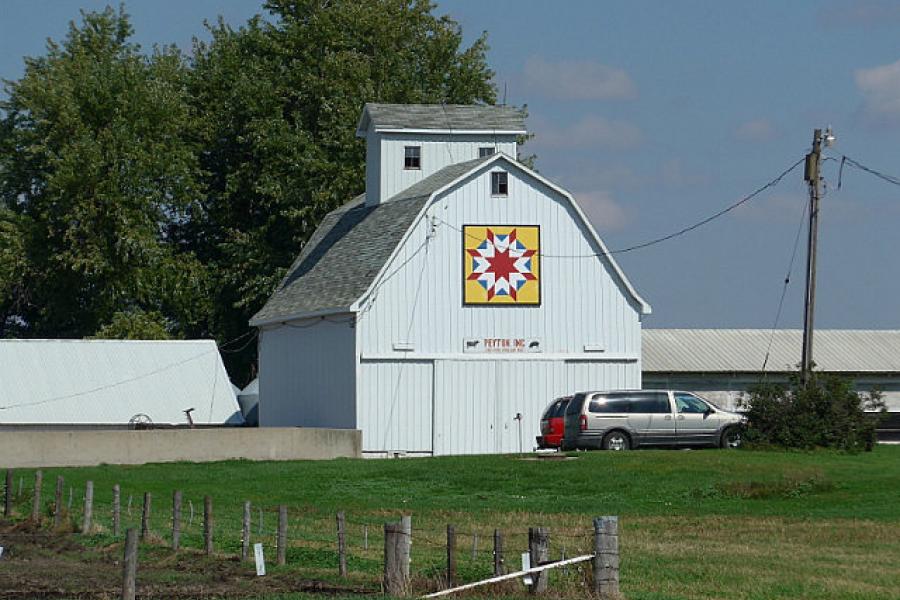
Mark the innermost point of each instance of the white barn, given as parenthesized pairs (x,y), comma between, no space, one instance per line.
(460,291)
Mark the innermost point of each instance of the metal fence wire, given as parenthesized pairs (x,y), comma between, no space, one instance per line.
(311,535)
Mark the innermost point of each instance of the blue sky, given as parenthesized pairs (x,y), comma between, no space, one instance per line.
(657,114)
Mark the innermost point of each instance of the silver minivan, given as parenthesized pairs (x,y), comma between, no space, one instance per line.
(621,420)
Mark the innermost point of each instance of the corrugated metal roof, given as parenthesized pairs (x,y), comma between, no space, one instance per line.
(110,381)
(442,117)
(744,350)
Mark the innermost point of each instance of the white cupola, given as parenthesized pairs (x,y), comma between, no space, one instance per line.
(407,142)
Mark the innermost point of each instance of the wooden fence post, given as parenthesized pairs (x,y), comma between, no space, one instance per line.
(498,553)
(58,500)
(7,493)
(145,515)
(539,547)
(606,557)
(451,556)
(396,559)
(36,501)
(130,561)
(208,525)
(245,532)
(406,524)
(117,510)
(342,548)
(176,520)
(281,540)
(88,507)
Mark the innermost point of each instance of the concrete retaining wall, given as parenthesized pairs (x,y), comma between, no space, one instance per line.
(22,449)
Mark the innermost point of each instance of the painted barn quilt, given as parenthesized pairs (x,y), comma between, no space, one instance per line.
(501,264)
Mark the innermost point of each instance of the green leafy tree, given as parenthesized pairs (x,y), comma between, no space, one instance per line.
(96,177)
(136,325)
(280,99)
(827,412)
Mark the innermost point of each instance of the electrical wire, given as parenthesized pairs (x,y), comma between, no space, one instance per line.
(243,347)
(892,179)
(787,281)
(237,339)
(672,235)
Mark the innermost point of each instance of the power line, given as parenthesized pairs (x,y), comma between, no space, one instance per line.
(787,281)
(892,179)
(670,236)
(243,347)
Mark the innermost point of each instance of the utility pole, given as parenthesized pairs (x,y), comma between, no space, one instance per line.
(813,162)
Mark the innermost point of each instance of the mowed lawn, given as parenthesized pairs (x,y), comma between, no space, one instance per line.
(693,524)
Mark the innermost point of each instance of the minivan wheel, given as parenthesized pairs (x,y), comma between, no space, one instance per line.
(616,440)
(731,438)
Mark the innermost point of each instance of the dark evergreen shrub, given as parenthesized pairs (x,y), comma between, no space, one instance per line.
(826,413)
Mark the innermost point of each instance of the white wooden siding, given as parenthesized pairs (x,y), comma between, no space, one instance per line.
(386,154)
(308,374)
(582,301)
(416,315)
(395,406)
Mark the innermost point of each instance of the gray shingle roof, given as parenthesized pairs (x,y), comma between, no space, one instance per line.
(458,117)
(349,248)
(743,350)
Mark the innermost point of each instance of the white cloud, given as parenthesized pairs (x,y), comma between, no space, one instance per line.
(757,130)
(590,131)
(602,210)
(578,80)
(880,87)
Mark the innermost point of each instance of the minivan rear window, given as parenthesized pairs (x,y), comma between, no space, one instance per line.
(651,403)
(559,409)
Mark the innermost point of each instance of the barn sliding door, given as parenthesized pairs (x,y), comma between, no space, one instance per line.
(394,407)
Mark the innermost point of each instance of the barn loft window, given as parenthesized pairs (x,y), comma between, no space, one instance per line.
(412,157)
(499,183)
(485,151)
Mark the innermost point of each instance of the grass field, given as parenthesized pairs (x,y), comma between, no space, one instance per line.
(694,524)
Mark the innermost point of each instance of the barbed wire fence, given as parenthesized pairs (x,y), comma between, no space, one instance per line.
(348,544)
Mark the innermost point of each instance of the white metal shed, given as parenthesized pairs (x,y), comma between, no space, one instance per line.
(111,382)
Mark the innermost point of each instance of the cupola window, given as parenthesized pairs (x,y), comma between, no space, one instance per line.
(412,158)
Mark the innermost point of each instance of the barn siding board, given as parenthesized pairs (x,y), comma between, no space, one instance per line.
(427,310)
(293,358)
(395,408)
(438,151)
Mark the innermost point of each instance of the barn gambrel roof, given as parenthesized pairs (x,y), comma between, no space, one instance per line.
(355,243)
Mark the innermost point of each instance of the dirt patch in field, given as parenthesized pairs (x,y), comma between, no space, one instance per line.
(40,564)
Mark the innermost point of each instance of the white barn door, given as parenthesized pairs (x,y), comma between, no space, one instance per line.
(464,407)
(395,406)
